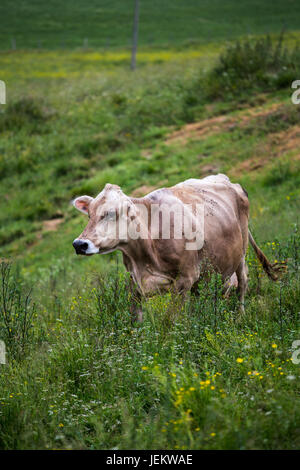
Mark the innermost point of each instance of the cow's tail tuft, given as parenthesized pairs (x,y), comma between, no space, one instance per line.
(272,270)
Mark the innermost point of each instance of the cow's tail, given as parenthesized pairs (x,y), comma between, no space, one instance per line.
(272,270)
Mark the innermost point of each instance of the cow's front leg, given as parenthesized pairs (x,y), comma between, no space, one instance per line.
(135,304)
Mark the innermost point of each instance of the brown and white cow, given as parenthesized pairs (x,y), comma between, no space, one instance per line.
(159,261)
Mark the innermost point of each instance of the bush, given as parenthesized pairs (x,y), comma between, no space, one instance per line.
(280,172)
(27,112)
(247,67)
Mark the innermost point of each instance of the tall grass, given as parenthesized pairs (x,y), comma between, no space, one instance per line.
(16,313)
(193,375)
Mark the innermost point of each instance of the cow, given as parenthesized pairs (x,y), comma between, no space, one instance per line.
(216,212)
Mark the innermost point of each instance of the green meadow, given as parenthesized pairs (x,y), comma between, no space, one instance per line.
(103,23)
(194,375)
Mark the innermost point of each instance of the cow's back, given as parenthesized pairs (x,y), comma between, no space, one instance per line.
(226,219)
(217,190)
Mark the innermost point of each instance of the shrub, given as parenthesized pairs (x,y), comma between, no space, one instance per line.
(26,112)
(280,172)
(245,68)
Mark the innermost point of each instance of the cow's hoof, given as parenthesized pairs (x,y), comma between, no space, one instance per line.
(137,317)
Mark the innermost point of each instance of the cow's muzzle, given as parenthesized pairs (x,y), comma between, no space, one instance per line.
(80,246)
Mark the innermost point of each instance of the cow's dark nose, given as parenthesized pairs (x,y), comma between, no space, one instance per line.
(80,246)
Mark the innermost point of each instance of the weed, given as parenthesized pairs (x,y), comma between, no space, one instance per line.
(17,313)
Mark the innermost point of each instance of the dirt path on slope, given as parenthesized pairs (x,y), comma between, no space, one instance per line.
(215,125)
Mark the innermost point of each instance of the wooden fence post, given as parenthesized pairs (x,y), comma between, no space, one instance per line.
(135,35)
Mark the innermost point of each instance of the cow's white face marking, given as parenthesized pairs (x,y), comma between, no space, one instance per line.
(90,249)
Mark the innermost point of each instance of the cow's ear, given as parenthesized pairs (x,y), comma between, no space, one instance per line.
(82,203)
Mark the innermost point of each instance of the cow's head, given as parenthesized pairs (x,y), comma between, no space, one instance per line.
(108,215)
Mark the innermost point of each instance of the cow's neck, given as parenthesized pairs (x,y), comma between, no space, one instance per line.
(141,256)
(141,253)
(142,261)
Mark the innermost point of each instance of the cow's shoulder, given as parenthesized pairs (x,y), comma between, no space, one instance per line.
(161,196)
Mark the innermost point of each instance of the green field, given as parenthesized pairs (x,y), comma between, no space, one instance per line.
(55,24)
(197,375)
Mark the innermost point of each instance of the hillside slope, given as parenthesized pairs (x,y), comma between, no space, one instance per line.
(195,374)
(66,135)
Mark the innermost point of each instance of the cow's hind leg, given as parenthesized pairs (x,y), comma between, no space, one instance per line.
(136,311)
(242,277)
(136,304)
